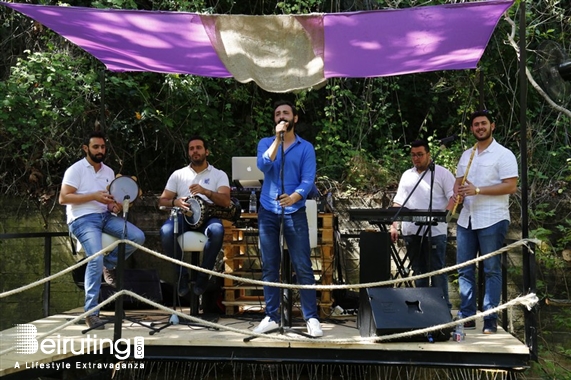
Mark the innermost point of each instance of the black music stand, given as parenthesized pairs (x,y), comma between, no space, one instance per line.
(285,269)
(176,212)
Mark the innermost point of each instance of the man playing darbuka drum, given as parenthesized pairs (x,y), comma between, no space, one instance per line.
(90,211)
(199,179)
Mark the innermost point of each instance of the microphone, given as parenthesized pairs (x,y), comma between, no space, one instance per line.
(448,139)
(282,132)
(126,205)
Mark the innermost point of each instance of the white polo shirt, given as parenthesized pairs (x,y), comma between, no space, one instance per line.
(83,177)
(442,191)
(488,168)
(210,178)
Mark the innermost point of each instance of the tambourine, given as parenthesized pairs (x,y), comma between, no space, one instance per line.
(123,186)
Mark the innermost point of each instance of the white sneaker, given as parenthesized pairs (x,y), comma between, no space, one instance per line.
(314,327)
(265,326)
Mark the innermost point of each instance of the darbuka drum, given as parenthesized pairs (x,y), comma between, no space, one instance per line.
(231,213)
(123,186)
(200,211)
(196,215)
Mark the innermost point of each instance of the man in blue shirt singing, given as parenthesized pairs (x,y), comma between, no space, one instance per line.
(287,199)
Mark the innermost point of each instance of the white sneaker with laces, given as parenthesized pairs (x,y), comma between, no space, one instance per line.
(314,327)
(266,325)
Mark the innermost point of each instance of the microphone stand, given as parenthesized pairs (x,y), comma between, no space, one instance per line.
(286,302)
(432,168)
(120,272)
(174,319)
(429,222)
(121,277)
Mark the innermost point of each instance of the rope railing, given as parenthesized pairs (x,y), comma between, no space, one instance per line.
(42,281)
(526,300)
(509,247)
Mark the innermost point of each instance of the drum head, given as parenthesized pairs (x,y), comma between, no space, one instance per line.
(122,187)
(196,211)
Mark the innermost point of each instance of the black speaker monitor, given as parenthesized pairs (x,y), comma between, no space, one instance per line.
(374,262)
(389,311)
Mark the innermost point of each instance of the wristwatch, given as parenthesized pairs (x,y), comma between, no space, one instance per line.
(477,190)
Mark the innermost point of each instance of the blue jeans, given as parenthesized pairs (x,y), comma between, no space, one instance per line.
(87,229)
(214,232)
(484,240)
(296,235)
(419,254)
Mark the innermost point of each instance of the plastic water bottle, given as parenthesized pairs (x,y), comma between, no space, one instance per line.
(458,335)
(253,203)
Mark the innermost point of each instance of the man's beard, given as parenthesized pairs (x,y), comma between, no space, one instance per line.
(290,124)
(197,162)
(97,158)
(484,137)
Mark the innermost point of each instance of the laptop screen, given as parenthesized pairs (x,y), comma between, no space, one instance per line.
(245,172)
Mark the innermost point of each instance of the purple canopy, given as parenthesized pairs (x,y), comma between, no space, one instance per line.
(356,44)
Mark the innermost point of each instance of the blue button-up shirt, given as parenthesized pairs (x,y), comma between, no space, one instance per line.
(299,173)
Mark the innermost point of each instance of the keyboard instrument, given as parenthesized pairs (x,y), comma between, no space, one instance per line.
(392,214)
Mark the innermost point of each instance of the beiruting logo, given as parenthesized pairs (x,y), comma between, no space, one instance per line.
(28,344)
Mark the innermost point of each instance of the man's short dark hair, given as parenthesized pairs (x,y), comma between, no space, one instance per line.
(479,113)
(94,134)
(286,103)
(196,137)
(419,143)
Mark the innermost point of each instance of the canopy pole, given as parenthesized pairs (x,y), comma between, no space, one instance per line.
(481,86)
(102,84)
(529,267)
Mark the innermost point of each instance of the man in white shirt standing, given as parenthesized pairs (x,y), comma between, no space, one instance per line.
(485,217)
(425,258)
(90,212)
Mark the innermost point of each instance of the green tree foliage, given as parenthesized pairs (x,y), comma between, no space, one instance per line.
(360,127)
(46,97)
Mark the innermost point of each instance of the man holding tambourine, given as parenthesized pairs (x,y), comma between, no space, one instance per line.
(91,210)
(186,188)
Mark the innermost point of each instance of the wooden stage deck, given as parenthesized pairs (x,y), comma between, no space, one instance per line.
(499,351)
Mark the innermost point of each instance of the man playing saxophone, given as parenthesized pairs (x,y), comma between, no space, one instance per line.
(484,219)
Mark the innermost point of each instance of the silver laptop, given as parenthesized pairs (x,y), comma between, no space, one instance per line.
(245,172)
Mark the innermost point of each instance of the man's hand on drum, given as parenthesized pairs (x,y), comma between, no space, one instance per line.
(108,199)
(197,189)
(104,197)
(115,207)
(183,204)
